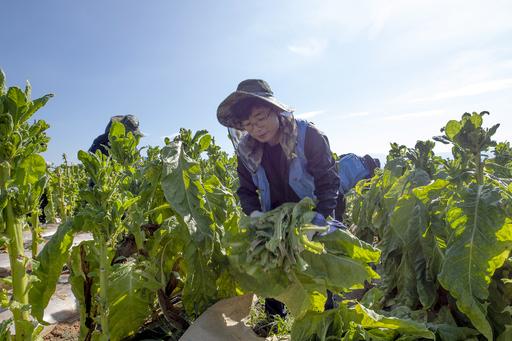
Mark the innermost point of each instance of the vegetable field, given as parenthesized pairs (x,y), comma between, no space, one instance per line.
(427,249)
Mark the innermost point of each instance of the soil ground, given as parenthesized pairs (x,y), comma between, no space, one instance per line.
(64,332)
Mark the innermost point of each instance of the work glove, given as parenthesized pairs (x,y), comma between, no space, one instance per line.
(256,214)
(333,226)
(254,218)
(318,220)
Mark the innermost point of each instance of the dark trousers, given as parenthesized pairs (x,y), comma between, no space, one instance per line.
(43,202)
(340,208)
(274,307)
(329,303)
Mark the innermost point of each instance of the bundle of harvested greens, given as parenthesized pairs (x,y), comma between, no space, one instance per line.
(279,237)
(272,257)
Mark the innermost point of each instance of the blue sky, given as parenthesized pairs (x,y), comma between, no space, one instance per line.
(367,73)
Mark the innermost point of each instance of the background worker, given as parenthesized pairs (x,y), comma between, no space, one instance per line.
(130,122)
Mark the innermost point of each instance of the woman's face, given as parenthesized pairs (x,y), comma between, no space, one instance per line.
(263,125)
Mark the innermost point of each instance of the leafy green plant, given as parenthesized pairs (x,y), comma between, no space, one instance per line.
(5,334)
(443,227)
(63,190)
(205,210)
(353,321)
(501,164)
(95,277)
(157,223)
(22,179)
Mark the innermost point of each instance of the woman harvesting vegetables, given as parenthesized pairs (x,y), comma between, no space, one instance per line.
(280,158)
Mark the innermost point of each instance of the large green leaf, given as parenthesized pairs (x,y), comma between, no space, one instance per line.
(50,261)
(221,200)
(34,106)
(370,320)
(266,284)
(299,298)
(337,272)
(30,170)
(183,189)
(433,242)
(341,323)
(200,290)
(132,291)
(452,128)
(448,332)
(351,246)
(406,225)
(16,102)
(481,243)
(318,326)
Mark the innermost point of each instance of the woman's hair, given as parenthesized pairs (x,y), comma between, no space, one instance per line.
(243,108)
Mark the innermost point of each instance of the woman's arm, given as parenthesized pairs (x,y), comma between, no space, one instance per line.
(321,165)
(247,191)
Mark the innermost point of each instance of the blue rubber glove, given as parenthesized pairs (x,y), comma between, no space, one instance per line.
(319,220)
(333,226)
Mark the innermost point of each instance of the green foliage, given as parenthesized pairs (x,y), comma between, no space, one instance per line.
(481,244)
(501,164)
(355,322)
(5,333)
(123,145)
(468,133)
(444,228)
(500,299)
(268,326)
(204,208)
(22,181)
(83,261)
(272,257)
(131,296)
(168,236)
(172,210)
(48,269)
(63,190)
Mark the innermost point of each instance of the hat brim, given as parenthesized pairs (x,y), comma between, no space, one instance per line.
(139,133)
(227,117)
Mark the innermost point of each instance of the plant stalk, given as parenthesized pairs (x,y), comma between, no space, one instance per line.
(18,261)
(36,233)
(62,206)
(479,169)
(104,266)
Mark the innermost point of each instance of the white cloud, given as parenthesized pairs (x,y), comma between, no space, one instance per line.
(357,114)
(468,90)
(409,27)
(309,48)
(414,115)
(349,115)
(469,72)
(309,114)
